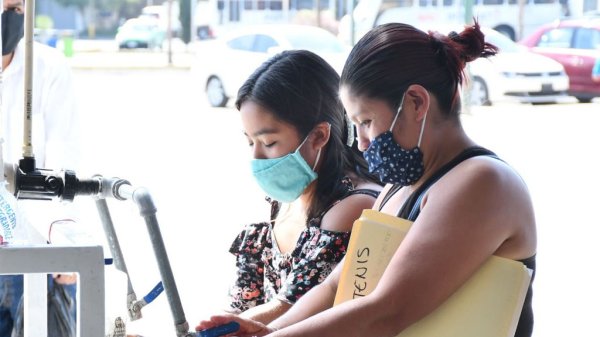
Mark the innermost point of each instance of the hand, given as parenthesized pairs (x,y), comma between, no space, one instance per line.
(65,278)
(248,328)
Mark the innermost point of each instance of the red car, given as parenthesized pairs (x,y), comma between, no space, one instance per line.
(576,45)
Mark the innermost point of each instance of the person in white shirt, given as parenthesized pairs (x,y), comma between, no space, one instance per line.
(54,143)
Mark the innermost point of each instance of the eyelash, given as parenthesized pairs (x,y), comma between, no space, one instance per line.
(266,145)
(365,123)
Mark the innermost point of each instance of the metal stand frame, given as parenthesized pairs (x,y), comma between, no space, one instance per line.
(88,261)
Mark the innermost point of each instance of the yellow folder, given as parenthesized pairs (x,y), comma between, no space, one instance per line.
(487,305)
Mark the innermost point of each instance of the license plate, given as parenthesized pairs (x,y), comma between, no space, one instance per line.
(547,87)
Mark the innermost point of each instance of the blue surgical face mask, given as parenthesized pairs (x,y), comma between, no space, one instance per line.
(394,164)
(284,178)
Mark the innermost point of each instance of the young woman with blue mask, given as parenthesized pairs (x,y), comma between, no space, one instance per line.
(401,87)
(306,161)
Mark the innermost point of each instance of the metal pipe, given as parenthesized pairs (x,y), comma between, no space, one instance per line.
(122,190)
(117,254)
(148,211)
(28,85)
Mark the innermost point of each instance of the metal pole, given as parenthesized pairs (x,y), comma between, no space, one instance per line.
(28,81)
(352,23)
(519,33)
(169,32)
(318,13)
(117,254)
(468,12)
(192,17)
(148,211)
(122,190)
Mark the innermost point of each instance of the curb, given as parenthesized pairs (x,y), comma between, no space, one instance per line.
(129,67)
(115,60)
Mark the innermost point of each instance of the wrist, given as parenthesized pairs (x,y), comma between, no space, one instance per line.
(271,328)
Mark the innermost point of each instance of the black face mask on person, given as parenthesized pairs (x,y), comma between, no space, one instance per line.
(12,30)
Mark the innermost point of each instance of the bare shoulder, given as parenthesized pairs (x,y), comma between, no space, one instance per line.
(486,175)
(486,196)
(341,216)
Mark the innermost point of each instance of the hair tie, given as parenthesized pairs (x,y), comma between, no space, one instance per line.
(453,35)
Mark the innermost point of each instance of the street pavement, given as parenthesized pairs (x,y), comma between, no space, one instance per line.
(104,54)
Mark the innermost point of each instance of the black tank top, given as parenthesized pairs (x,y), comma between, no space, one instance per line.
(412,207)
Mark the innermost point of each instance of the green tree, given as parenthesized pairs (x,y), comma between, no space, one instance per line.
(185,17)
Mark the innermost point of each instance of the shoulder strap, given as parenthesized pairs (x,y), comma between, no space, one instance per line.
(366,191)
(411,208)
(390,193)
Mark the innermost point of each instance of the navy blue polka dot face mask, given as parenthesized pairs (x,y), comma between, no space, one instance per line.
(394,164)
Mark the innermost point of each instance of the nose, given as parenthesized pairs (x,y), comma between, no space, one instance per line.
(363,141)
(257,153)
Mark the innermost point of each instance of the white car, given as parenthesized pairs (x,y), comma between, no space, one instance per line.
(140,32)
(222,65)
(514,74)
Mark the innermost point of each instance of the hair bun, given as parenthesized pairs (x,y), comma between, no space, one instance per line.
(472,45)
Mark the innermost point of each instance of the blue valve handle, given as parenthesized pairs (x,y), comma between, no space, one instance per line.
(220,330)
(153,294)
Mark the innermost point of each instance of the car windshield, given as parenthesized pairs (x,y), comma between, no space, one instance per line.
(141,28)
(504,44)
(314,41)
(140,25)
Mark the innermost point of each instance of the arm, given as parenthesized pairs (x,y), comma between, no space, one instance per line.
(315,301)
(60,117)
(339,218)
(267,312)
(318,299)
(247,290)
(468,216)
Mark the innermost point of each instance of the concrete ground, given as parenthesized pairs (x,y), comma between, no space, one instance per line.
(104,54)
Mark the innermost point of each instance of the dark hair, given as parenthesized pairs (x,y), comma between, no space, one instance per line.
(391,57)
(300,88)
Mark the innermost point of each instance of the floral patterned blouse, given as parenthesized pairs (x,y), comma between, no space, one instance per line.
(264,273)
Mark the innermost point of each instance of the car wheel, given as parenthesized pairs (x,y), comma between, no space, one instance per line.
(583,99)
(479,94)
(215,92)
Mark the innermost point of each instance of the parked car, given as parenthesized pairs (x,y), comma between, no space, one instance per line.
(160,13)
(576,45)
(514,74)
(140,32)
(206,17)
(223,64)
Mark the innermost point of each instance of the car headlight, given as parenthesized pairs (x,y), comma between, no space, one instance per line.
(509,74)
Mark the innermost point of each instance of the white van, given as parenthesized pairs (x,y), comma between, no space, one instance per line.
(501,15)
